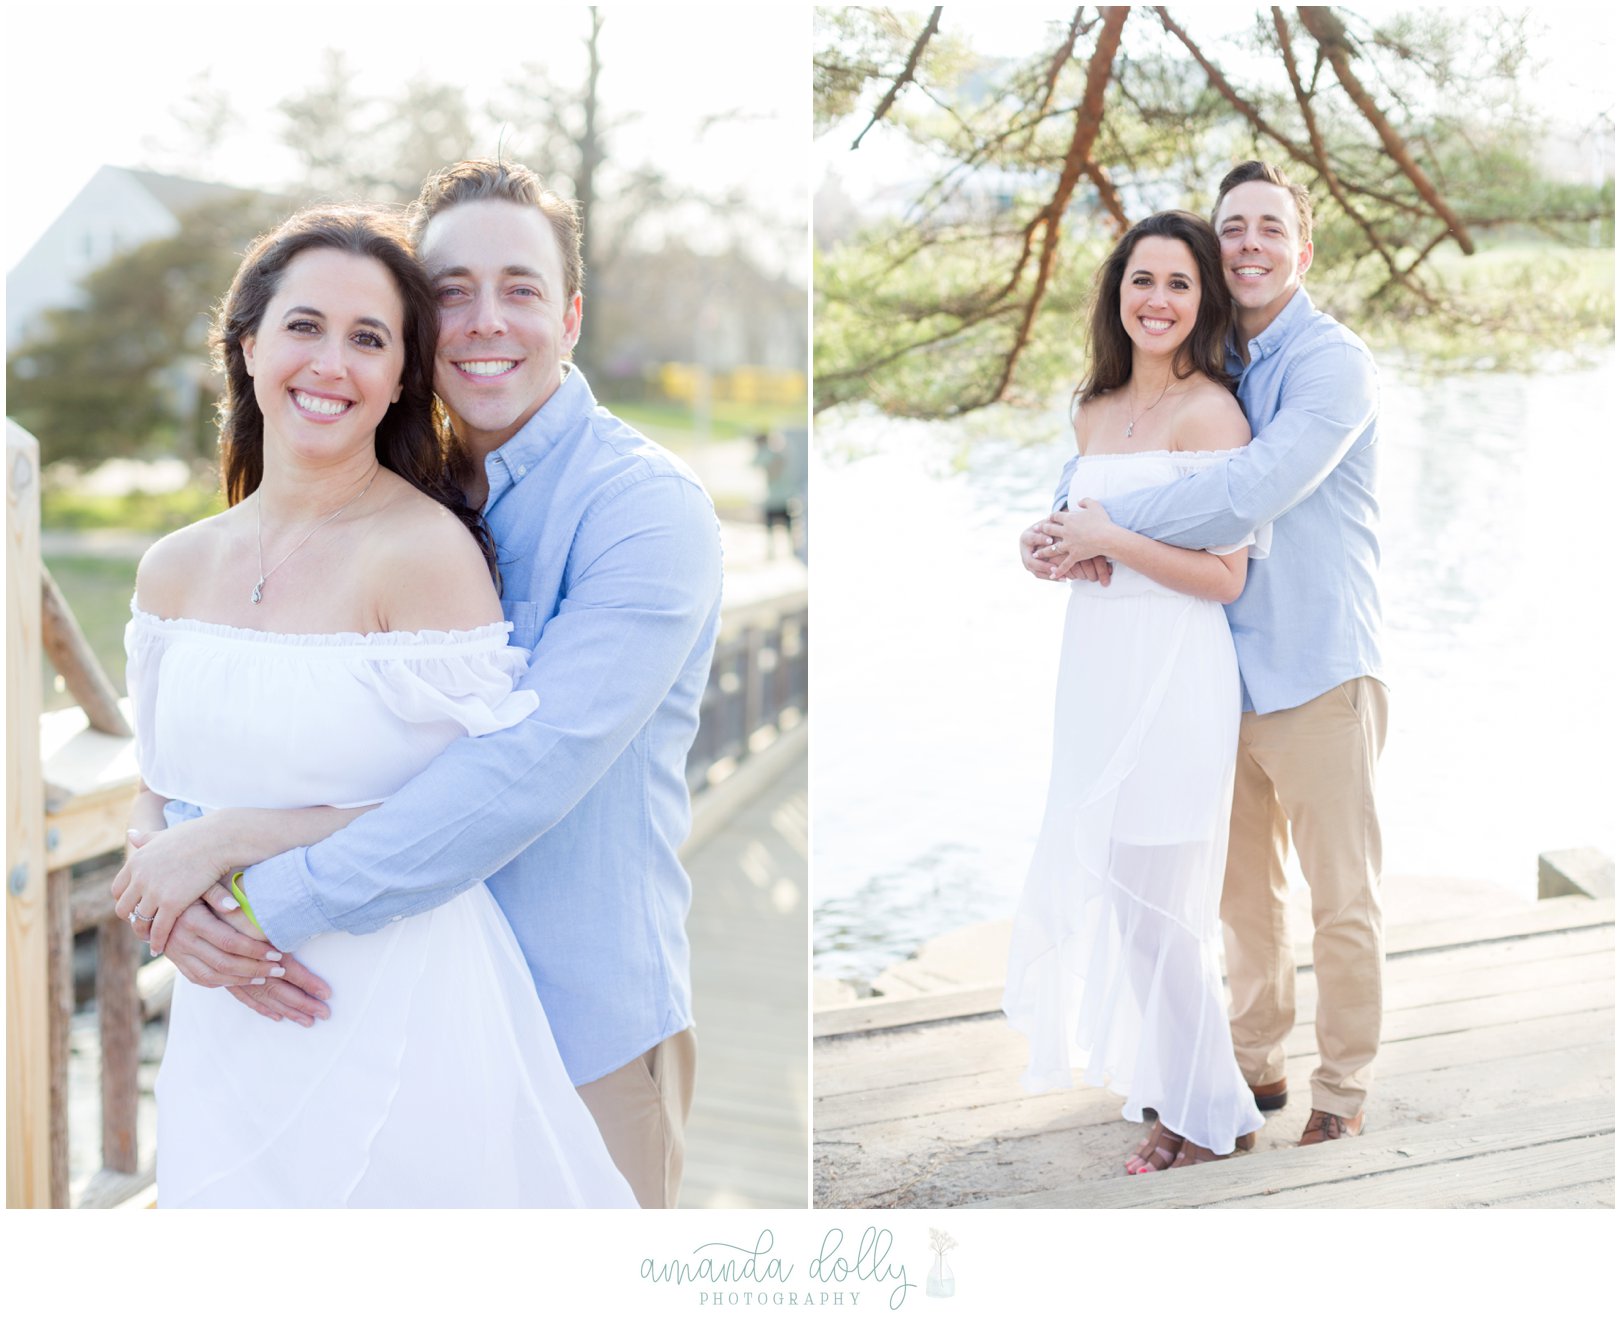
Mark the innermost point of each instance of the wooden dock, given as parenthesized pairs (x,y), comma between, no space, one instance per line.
(748,1134)
(1495,1086)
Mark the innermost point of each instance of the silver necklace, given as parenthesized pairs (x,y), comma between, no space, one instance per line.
(259,533)
(1131,424)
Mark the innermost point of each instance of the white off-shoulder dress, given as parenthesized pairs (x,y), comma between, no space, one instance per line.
(1114,966)
(436,1081)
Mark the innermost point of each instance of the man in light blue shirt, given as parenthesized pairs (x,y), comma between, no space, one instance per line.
(610,561)
(1306,629)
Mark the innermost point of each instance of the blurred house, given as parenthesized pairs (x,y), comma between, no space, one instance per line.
(118,209)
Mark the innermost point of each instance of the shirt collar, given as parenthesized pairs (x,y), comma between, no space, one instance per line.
(1287,321)
(558,416)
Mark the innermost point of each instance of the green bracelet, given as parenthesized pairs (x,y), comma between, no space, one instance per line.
(240,896)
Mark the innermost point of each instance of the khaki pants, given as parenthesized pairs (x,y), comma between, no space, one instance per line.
(641,1110)
(1309,771)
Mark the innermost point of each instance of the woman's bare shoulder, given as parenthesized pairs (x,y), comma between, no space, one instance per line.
(173,564)
(1211,419)
(429,571)
(1093,415)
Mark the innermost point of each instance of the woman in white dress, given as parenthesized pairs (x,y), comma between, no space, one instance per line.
(1114,968)
(294,661)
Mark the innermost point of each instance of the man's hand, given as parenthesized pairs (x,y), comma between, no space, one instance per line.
(214,944)
(1036,544)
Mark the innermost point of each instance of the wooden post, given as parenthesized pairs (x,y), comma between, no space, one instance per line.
(59,939)
(28,997)
(118,1005)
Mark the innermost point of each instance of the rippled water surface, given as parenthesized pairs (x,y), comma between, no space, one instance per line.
(935,652)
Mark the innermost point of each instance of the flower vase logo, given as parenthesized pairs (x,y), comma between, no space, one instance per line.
(942,1282)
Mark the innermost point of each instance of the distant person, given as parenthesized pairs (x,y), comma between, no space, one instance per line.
(610,574)
(772,456)
(1307,634)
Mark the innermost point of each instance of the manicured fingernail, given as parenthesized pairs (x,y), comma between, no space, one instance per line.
(277,971)
(229,903)
(272,956)
(257,980)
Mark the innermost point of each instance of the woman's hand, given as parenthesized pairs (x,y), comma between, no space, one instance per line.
(165,872)
(1077,535)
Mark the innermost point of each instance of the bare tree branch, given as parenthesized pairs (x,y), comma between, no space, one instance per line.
(906,76)
(1088,117)
(1331,38)
(1326,171)
(1108,195)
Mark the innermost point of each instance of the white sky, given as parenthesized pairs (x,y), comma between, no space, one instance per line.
(88,84)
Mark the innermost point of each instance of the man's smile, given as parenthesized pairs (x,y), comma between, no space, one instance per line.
(487,366)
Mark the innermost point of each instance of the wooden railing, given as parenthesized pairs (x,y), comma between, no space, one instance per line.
(68,801)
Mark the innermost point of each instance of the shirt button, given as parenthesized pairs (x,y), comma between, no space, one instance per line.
(522,469)
(392,919)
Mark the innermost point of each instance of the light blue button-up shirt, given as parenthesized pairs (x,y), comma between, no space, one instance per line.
(1309,618)
(611,572)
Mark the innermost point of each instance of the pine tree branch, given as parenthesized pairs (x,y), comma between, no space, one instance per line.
(1331,39)
(907,74)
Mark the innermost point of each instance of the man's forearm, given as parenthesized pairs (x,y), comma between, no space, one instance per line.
(1061,494)
(1330,401)
(605,662)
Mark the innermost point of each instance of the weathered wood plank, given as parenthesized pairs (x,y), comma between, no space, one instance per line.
(1463,972)
(938,1052)
(1054,1141)
(1547,917)
(28,998)
(59,916)
(90,825)
(1325,1170)
(902,1098)
(748,1133)
(118,1190)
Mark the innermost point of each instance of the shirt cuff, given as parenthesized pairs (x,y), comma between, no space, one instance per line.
(283,899)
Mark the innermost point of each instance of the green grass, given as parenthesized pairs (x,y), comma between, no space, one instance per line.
(74,510)
(673,425)
(1516,302)
(98,591)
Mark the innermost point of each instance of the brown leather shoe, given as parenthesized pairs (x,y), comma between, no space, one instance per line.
(1323,1126)
(1271,1096)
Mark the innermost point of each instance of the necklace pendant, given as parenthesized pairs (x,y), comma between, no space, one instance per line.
(1130,426)
(258,591)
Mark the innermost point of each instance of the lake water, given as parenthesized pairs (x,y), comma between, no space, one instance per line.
(936,653)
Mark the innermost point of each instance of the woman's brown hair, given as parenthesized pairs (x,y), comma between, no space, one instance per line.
(410,440)
(1204,351)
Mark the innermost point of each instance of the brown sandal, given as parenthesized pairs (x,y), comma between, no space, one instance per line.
(1191,1154)
(1157,1152)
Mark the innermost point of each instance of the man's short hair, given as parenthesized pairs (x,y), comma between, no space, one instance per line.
(1258,171)
(485,180)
